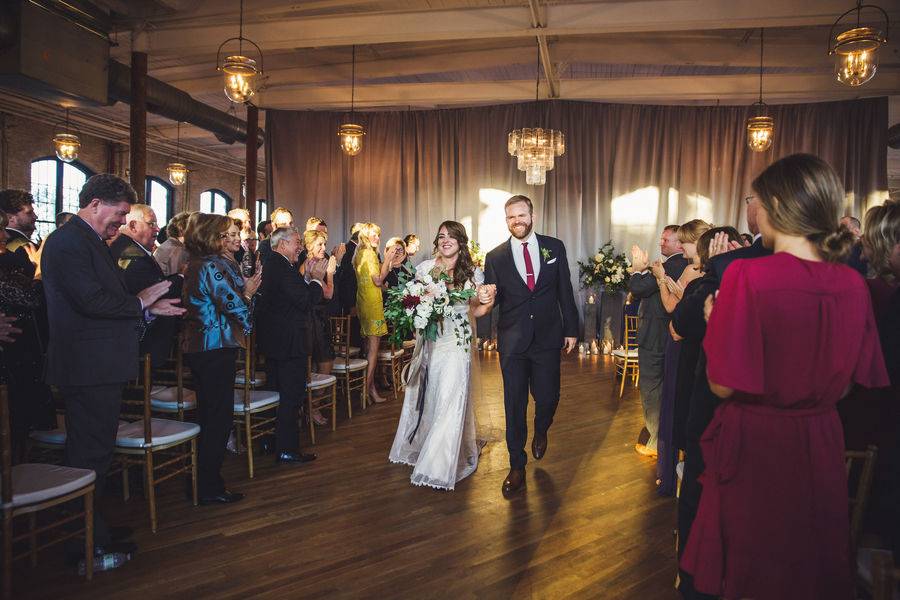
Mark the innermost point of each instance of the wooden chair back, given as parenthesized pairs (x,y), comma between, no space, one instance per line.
(340,337)
(630,337)
(860,469)
(136,398)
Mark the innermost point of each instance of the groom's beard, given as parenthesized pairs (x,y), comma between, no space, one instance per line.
(515,231)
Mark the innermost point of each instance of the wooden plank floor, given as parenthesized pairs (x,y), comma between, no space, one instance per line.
(350,525)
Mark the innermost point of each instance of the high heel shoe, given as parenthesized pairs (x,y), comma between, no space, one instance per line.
(375,398)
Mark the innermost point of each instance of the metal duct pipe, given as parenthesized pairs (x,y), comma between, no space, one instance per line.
(170,102)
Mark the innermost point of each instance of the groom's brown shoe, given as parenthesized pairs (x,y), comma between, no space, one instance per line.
(514,482)
(539,445)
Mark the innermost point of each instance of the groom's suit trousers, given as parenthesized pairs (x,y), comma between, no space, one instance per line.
(536,371)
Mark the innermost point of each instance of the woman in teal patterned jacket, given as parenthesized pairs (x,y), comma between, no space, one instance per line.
(219,305)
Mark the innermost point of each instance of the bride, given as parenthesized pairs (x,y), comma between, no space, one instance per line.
(436,434)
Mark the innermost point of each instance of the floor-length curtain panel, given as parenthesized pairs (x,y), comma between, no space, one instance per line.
(628,169)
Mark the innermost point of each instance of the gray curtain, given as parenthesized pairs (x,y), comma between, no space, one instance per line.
(628,170)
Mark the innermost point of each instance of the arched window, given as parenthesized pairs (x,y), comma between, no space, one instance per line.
(161,198)
(55,186)
(216,202)
(262,211)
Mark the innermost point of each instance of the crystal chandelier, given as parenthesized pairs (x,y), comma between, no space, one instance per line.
(241,75)
(67,144)
(351,134)
(536,148)
(761,128)
(177,170)
(856,50)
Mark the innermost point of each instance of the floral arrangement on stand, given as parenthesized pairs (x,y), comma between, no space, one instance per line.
(421,303)
(605,271)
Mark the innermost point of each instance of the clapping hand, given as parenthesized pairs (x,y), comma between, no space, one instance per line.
(8,331)
(658,271)
(639,259)
(708,306)
(674,287)
(332,265)
(150,295)
(339,251)
(166,307)
(251,284)
(721,245)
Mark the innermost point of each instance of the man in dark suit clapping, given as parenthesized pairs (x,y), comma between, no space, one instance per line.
(653,327)
(95,324)
(132,254)
(538,318)
(284,318)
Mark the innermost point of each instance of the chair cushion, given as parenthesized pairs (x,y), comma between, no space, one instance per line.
(355,364)
(320,380)
(166,399)
(163,431)
(388,355)
(259,378)
(57,437)
(33,483)
(622,353)
(354,351)
(258,399)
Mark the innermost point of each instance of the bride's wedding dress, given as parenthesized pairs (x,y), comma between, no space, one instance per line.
(441,445)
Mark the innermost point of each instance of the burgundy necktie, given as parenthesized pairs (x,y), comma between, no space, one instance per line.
(529,268)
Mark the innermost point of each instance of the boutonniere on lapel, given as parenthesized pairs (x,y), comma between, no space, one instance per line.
(545,252)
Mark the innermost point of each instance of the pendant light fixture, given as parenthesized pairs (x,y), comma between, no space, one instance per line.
(241,75)
(761,128)
(856,50)
(177,170)
(66,144)
(350,133)
(535,148)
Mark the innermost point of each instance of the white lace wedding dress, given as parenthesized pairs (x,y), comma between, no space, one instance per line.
(443,449)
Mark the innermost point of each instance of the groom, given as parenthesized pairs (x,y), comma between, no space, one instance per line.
(537,313)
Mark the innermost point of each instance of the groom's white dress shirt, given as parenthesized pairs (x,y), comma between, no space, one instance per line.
(519,258)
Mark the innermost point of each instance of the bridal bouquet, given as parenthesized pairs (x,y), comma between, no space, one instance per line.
(421,303)
(606,269)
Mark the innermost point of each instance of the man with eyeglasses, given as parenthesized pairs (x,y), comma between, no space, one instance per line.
(132,251)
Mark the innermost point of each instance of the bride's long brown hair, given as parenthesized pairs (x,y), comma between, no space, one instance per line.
(465,266)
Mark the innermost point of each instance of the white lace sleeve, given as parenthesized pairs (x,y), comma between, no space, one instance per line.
(424,267)
(478,276)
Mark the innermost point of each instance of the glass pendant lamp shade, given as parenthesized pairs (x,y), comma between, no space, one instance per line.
(178,173)
(66,146)
(536,150)
(760,133)
(351,136)
(241,78)
(855,50)
(856,55)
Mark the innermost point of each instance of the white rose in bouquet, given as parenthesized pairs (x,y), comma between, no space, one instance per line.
(420,322)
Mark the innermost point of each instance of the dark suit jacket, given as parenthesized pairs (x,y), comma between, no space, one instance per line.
(718,264)
(345,279)
(653,320)
(538,319)
(140,270)
(284,310)
(95,322)
(264,248)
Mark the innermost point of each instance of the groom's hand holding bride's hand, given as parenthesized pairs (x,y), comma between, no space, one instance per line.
(486,293)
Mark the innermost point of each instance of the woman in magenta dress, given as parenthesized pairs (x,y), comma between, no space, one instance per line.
(788,335)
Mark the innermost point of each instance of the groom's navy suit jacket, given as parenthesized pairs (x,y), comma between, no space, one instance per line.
(538,319)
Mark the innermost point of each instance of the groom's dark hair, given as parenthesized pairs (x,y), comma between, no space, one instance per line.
(519,198)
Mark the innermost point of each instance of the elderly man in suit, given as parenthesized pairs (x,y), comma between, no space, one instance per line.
(95,325)
(653,327)
(284,318)
(131,251)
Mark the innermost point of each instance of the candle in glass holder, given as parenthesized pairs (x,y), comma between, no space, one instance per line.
(594,348)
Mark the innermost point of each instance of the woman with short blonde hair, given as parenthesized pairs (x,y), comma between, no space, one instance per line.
(370,278)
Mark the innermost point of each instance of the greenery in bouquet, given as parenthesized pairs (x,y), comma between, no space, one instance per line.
(421,303)
(606,269)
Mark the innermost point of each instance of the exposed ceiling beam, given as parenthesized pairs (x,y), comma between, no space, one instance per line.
(727,89)
(495,22)
(538,23)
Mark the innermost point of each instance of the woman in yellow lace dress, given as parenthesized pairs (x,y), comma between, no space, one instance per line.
(370,276)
